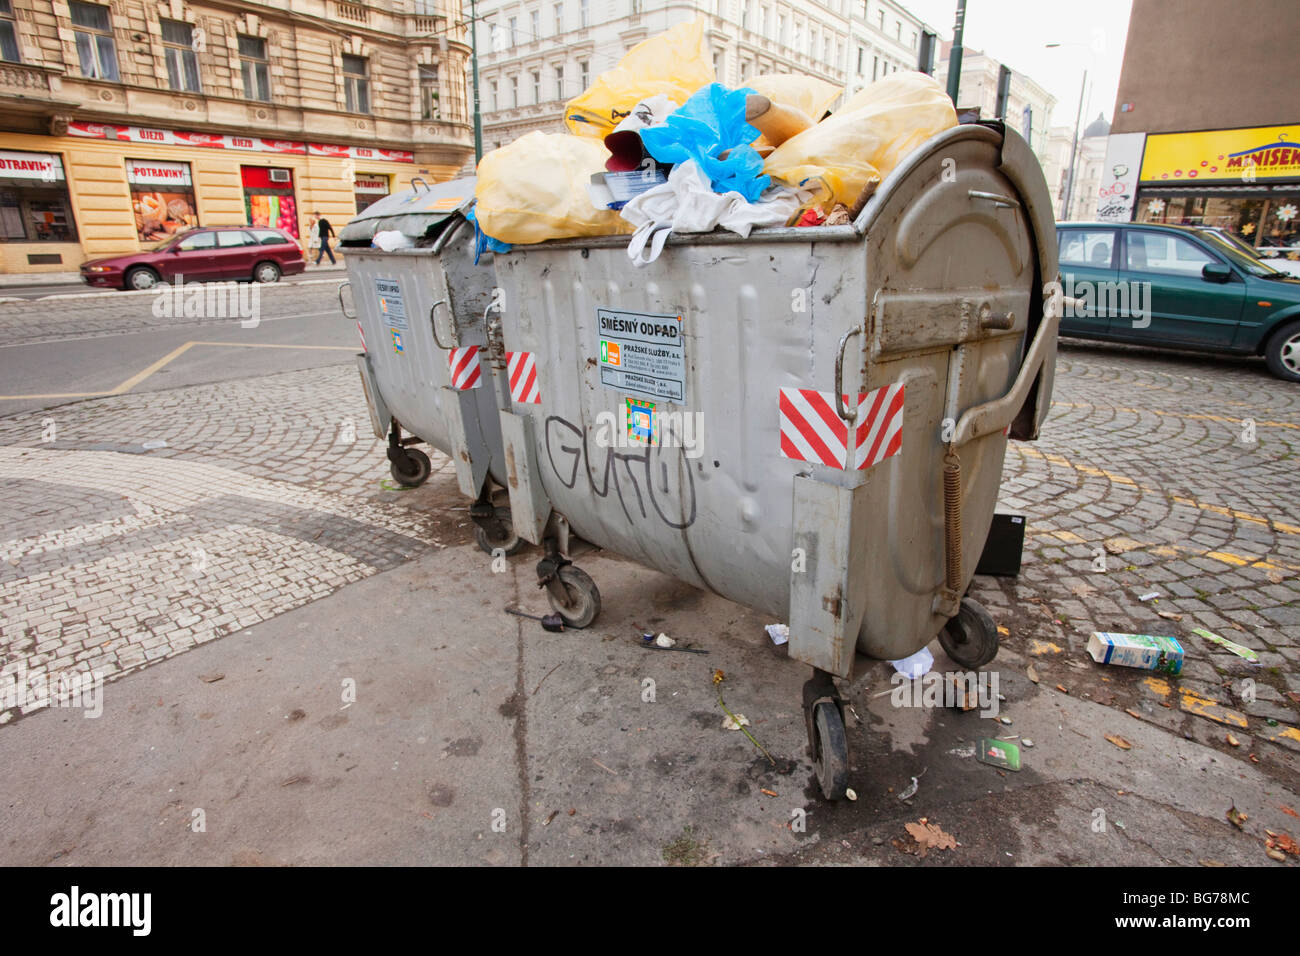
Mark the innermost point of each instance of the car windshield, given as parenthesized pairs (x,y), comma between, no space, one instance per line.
(1240,254)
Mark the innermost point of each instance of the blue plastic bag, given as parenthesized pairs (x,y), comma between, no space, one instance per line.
(482,241)
(712,121)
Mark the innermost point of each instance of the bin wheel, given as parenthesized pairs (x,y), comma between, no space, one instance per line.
(508,540)
(830,750)
(412,469)
(583,597)
(970,638)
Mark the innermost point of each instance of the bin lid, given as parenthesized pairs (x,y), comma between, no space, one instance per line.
(417,213)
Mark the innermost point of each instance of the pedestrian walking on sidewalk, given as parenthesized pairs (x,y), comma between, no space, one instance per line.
(324,230)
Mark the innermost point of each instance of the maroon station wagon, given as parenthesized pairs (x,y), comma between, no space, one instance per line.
(218,252)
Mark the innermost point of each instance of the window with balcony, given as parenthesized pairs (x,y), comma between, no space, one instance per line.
(93,31)
(430,92)
(636,6)
(356,83)
(255,68)
(584,10)
(8,33)
(182,61)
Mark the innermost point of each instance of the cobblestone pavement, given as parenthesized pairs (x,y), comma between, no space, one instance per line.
(1156,473)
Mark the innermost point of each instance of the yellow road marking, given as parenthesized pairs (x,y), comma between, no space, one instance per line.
(1176,499)
(1120,544)
(140,376)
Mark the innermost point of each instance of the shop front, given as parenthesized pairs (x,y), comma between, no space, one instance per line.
(107,190)
(1244,181)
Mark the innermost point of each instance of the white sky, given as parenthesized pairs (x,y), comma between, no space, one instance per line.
(1015,33)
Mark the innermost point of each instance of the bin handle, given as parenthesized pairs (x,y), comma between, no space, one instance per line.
(844,413)
(995,415)
(995,198)
(345,284)
(416,179)
(433,320)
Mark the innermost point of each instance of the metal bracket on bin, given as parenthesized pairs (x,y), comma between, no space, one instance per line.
(433,321)
(530,506)
(345,284)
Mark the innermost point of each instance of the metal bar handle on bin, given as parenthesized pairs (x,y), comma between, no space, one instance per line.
(433,320)
(849,415)
(996,415)
(345,284)
(416,179)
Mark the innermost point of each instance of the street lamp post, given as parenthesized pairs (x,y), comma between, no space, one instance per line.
(1074,143)
(473,57)
(954,56)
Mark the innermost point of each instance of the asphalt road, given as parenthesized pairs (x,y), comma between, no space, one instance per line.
(297,327)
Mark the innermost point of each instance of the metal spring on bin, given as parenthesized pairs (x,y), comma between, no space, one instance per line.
(952,520)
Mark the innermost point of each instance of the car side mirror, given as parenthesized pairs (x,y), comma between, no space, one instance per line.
(1216,272)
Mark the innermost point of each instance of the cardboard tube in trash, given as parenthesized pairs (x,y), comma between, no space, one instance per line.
(776,121)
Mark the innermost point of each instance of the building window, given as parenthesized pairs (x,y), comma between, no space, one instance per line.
(356,85)
(430,107)
(559,82)
(875,67)
(34,202)
(586,12)
(862,56)
(535,23)
(182,61)
(862,10)
(780,28)
(636,6)
(162,198)
(496,104)
(255,67)
(94,35)
(537,86)
(514,30)
(8,33)
(762,21)
(898,31)
(882,21)
(514,91)
(913,39)
(559,18)
(584,73)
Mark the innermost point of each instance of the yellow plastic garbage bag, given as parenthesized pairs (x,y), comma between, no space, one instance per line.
(877,128)
(675,63)
(536,189)
(805,93)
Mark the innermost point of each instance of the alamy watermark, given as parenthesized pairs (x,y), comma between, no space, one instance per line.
(964,689)
(82,689)
(209,300)
(639,424)
(1115,300)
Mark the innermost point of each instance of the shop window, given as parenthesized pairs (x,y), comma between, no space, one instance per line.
(356,84)
(256,68)
(430,105)
(34,202)
(268,198)
(8,33)
(93,32)
(162,198)
(369,188)
(182,61)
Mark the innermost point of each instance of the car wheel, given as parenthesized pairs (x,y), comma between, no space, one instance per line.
(141,278)
(1283,352)
(266,272)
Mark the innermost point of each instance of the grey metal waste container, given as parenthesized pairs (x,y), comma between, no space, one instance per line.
(810,422)
(420,309)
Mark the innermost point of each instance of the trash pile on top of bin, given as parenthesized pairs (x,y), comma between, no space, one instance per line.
(804,410)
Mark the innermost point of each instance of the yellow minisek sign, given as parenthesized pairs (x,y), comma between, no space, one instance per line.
(1263,152)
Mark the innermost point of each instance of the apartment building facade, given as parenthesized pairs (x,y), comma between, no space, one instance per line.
(1027,108)
(536,54)
(124,122)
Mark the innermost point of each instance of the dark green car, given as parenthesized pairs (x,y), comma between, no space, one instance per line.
(1180,287)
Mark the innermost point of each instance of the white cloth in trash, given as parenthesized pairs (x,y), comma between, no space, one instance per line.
(686,203)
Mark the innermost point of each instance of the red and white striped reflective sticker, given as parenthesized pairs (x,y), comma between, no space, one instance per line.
(464,365)
(363,336)
(879,426)
(811,429)
(524,386)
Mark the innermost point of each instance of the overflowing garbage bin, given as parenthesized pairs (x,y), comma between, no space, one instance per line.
(810,422)
(419,300)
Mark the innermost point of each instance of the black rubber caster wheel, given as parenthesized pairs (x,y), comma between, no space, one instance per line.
(507,540)
(970,638)
(412,469)
(583,597)
(830,750)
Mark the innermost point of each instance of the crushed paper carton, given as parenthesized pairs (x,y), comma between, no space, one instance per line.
(1163,654)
